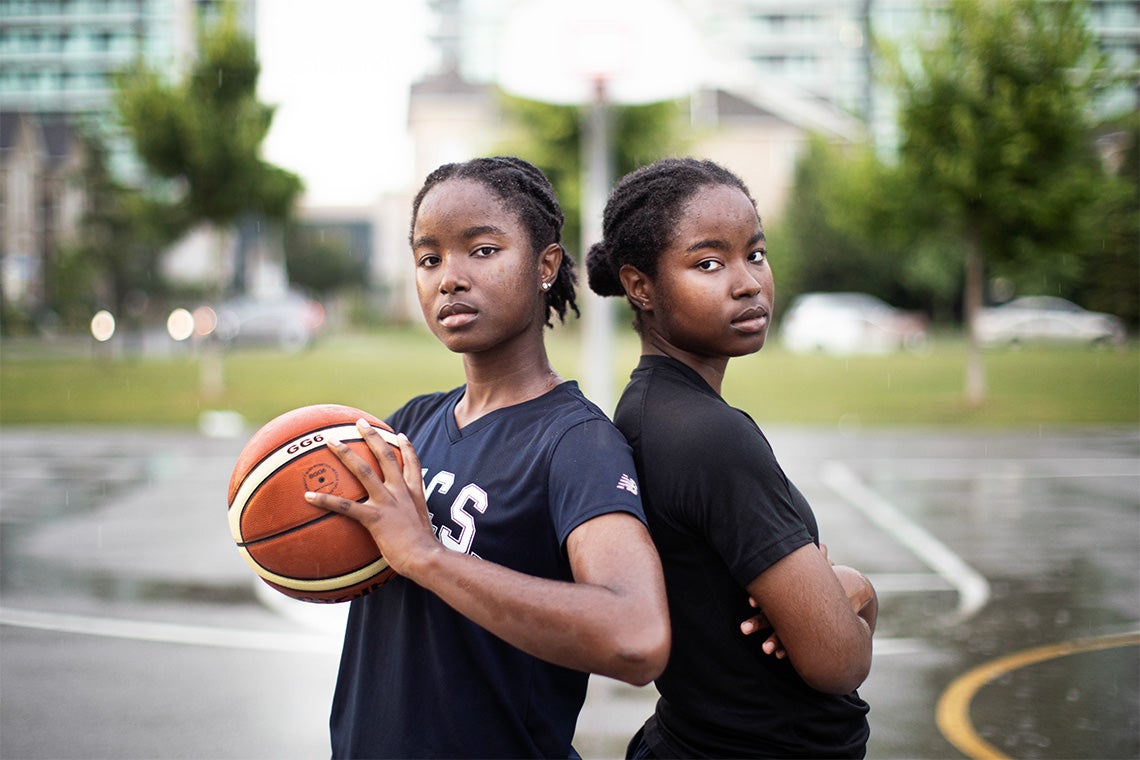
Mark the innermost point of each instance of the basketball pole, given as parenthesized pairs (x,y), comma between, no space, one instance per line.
(596,348)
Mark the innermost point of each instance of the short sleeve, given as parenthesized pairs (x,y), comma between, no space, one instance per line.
(592,473)
(735,494)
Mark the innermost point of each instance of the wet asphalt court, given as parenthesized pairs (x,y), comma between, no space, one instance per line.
(1007,564)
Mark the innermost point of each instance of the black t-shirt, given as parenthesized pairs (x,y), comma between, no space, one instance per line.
(721,511)
(418,679)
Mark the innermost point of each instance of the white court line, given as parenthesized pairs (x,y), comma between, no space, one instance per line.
(972,587)
(1026,469)
(904,582)
(237,638)
(170,633)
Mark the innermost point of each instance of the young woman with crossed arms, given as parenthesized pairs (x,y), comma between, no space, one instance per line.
(684,245)
(514,525)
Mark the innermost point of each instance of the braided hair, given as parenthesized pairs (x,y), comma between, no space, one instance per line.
(641,217)
(525,190)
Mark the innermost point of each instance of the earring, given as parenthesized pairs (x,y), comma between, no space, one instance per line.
(546,286)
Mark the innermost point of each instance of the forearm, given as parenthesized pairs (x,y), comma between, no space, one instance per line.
(861,594)
(815,610)
(576,625)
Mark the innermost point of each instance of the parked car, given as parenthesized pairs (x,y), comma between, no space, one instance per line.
(844,324)
(288,321)
(1046,319)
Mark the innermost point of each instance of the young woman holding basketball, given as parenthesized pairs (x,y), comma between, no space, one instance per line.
(515,524)
(683,243)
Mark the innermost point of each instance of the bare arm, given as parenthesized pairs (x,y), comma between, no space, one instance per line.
(612,620)
(823,617)
(860,593)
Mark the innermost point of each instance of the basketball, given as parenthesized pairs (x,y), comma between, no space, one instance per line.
(304,551)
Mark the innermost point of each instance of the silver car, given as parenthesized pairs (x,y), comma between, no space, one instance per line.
(1046,319)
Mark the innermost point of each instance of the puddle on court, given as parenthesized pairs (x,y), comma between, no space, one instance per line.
(41,490)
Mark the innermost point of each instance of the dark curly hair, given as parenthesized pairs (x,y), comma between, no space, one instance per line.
(526,191)
(641,217)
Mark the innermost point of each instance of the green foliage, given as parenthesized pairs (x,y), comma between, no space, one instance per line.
(1111,278)
(846,227)
(322,261)
(550,137)
(998,148)
(205,132)
(996,132)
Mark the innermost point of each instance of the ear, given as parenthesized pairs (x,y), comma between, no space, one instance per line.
(549,261)
(638,287)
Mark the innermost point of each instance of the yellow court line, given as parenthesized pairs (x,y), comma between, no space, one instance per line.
(953,712)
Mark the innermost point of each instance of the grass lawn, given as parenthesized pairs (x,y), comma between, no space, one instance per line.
(379,370)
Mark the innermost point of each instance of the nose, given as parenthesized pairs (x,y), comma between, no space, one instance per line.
(747,283)
(452,277)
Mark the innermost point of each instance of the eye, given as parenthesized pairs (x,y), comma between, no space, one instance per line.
(758,256)
(484,250)
(428,260)
(709,265)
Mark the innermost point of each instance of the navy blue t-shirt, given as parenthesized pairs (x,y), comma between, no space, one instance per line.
(417,679)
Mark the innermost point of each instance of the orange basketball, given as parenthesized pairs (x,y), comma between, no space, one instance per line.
(303,551)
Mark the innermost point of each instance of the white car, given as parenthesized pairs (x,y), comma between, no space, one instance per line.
(1046,319)
(845,324)
(288,321)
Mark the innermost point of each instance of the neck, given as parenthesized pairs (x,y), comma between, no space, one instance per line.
(502,381)
(710,368)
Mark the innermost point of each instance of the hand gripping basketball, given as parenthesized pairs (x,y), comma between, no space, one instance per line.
(395,512)
(299,549)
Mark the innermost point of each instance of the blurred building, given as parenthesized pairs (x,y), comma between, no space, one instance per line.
(57,61)
(817,51)
(39,205)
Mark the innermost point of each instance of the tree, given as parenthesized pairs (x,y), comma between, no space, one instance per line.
(996,120)
(846,228)
(322,261)
(203,134)
(1112,272)
(114,261)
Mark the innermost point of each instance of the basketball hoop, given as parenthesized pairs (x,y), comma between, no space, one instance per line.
(557,51)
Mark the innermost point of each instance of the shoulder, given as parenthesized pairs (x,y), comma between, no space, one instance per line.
(668,412)
(420,407)
(576,422)
(570,398)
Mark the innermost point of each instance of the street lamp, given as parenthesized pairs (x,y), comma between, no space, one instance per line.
(594,53)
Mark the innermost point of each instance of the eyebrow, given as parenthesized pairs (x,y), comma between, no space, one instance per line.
(467,234)
(721,245)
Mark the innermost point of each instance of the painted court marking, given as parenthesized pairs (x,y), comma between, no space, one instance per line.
(239,638)
(972,587)
(953,711)
(170,633)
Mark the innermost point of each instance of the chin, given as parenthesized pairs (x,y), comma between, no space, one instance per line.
(748,348)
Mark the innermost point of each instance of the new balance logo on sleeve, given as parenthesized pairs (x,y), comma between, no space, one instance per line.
(627,483)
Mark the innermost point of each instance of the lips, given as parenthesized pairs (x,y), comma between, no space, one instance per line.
(456,314)
(751,320)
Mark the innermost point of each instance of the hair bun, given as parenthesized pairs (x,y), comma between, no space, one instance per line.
(600,272)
